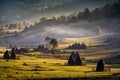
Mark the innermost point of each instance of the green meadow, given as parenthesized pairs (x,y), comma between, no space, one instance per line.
(46,66)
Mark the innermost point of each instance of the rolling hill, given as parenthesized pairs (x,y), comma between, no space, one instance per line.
(89,25)
(30,10)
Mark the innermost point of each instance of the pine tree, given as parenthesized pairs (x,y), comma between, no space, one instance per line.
(87,13)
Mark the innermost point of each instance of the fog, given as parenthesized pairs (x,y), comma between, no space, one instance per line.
(36,35)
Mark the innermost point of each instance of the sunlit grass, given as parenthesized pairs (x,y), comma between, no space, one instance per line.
(47,68)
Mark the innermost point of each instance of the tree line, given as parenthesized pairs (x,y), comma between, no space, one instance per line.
(107,11)
(77,46)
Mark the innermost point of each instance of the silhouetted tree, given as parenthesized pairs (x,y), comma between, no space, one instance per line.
(62,17)
(86,13)
(77,46)
(100,65)
(83,46)
(53,43)
(6,55)
(43,19)
(23,50)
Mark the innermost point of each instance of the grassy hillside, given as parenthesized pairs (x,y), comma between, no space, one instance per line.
(53,66)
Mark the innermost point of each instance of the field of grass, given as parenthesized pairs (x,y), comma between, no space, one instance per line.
(50,66)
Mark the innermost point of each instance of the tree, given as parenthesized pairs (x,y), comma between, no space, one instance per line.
(77,46)
(86,12)
(53,43)
(6,55)
(83,46)
(43,19)
(53,18)
(62,17)
(47,39)
(100,65)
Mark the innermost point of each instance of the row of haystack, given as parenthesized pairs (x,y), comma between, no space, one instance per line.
(75,59)
(9,55)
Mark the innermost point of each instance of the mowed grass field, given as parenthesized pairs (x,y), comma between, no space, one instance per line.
(45,66)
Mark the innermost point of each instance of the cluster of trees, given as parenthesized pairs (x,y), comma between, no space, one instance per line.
(75,59)
(107,11)
(53,43)
(40,47)
(77,46)
(17,25)
(19,50)
(9,55)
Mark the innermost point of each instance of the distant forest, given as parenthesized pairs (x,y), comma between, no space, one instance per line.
(105,12)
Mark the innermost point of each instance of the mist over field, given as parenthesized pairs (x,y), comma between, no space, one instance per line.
(27,22)
(36,35)
(59,39)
